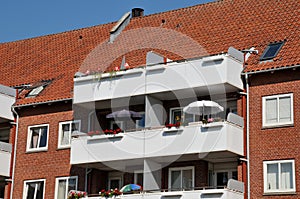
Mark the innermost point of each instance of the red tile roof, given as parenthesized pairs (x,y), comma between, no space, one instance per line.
(179,34)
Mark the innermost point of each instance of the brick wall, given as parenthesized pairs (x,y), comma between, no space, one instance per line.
(273,143)
(48,164)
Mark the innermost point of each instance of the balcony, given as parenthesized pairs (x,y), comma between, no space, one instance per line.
(205,141)
(215,74)
(5,157)
(7,99)
(233,190)
(213,194)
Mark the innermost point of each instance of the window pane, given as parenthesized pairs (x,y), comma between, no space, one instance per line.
(176,116)
(175,179)
(65,135)
(35,190)
(139,179)
(43,138)
(222,178)
(72,184)
(30,190)
(40,190)
(285,109)
(187,179)
(61,194)
(75,126)
(272,177)
(188,118)
(34,137)
(286,176)
(271,110)
(234,175)
(141,123)
(115,183)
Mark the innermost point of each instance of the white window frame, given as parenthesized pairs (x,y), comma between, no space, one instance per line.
(29,137)
(67,184)
(279,190)
(265,124)
(181,169)
(25,188)
(60,129)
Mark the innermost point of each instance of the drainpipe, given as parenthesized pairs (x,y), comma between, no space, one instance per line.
(15,152)
(247,53)
(248,136)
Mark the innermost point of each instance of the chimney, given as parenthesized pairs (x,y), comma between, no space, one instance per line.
(137,12)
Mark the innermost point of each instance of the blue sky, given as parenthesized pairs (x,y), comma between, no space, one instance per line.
(31,18)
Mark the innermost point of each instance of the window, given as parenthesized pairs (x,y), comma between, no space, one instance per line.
(279,176)
(114,182)
(117,125)
(139,177)
(271,51)
(37,137)
(64,185)
(222,177)
(278,110)
(141,122)
(181,178)
(65,132)
(34,189)
(175,115)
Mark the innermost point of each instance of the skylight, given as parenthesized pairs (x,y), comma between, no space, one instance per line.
(34,92)
(271,51)
(36,89)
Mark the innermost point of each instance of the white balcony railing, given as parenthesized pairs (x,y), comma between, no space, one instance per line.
(7,99)
(211,193)
(216,74)
(5,157)
(195,138)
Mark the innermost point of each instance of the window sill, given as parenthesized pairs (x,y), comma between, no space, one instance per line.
(278,126)
(36,150)
(280,193)
(63,147)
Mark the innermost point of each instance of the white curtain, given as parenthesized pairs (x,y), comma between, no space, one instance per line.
(285,109)
(271,110)
(286,176)
(34,137)
(61,194)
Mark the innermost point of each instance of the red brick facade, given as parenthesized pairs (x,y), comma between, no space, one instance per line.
(48,164)
(281,143)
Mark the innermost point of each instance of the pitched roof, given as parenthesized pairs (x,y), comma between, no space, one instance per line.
(179,34)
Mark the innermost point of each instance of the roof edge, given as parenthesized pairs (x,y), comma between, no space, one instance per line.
(40,103)
(271,70)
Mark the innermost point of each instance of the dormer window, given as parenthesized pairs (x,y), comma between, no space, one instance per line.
(271,51)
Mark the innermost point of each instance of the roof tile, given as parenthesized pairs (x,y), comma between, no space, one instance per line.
(179,34)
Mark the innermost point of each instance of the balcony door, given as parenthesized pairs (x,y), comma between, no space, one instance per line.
(221,177)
